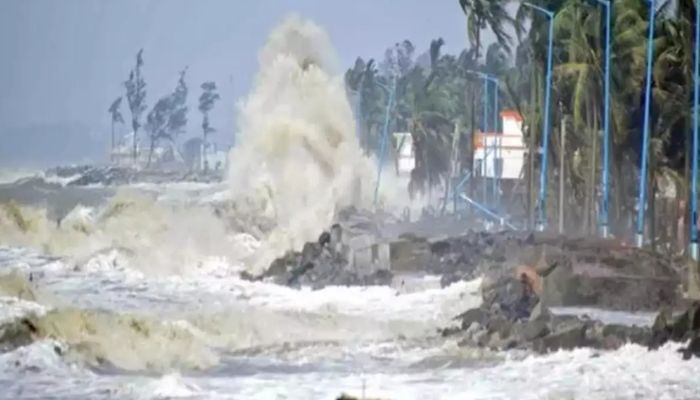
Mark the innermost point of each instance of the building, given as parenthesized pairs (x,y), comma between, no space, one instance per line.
(405,153)
(501,155)
(199,157)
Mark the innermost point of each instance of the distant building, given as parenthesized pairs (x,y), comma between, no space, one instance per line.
(405,154)
(123,152)
(197,158)
(501,155)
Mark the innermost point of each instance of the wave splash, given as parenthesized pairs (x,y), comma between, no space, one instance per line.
(298,156)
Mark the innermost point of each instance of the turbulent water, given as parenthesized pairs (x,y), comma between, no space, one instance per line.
(139,295)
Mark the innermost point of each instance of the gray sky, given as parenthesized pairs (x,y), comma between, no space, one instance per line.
(64,60)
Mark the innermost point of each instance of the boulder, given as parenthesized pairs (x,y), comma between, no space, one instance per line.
(474,315)
(682,328)
(567,337)
(325,262)
(532,330)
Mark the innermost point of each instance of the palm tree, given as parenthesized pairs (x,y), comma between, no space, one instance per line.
(434,98)
(492,14)
(371,100)
(206,103)
(116,118)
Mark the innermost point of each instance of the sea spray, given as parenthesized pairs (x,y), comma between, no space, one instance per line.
(297,164)
(155,238)
(298,154)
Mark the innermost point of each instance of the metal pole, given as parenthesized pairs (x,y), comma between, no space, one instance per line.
(693,250)
(604,220)
(542,201)
(645,140)
(562,170)
(484,124)
(385,134)
(496,145)
(545,138)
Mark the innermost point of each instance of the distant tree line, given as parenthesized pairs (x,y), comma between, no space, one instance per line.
(167,119)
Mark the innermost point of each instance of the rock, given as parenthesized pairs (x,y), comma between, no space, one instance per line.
(540,313)
(684,328)
(501,325)
(532,330)
(692,349)
(16,333)
(323,263)
(562,271)
(566,338)
(475,315)
(512,296)
(110,175)
(627,334)
(324,239)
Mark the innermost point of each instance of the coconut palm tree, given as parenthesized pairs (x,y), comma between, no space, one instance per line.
(491,14)
(117,117)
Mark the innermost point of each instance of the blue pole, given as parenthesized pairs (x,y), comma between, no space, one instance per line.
(542,201)
(696,136)
(485,119)
(604,221)
(545,138)
(487,212)
(645,140)
(385,134)
(496,143)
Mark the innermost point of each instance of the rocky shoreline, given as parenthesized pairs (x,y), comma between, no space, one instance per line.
(110,175)
(514,315)
(524,278)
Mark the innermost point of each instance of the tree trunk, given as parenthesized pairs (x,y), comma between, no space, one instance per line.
(652,199)
(133,139)
(587,193)
(150,152)
(532,150)
(111,153)
(562,180)
(594,172)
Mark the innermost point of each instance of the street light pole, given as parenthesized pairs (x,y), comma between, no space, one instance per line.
(645,139)
(693,249)
(385,133)
(485,126)
(496,142)
(541,207)
(604,219)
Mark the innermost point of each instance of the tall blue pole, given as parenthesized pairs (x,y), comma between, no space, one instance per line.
(496,143)
(693,250)
(385,135)
(604,220)
(641,205)
(542,206)
(485,123)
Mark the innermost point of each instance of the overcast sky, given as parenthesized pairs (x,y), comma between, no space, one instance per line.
(64,60)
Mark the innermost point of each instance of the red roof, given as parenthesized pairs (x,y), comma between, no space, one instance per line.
(511,114)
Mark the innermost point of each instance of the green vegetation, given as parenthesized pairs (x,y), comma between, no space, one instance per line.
(435,91)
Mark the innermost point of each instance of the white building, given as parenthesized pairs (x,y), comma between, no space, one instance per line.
(405,153)
(501,155)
